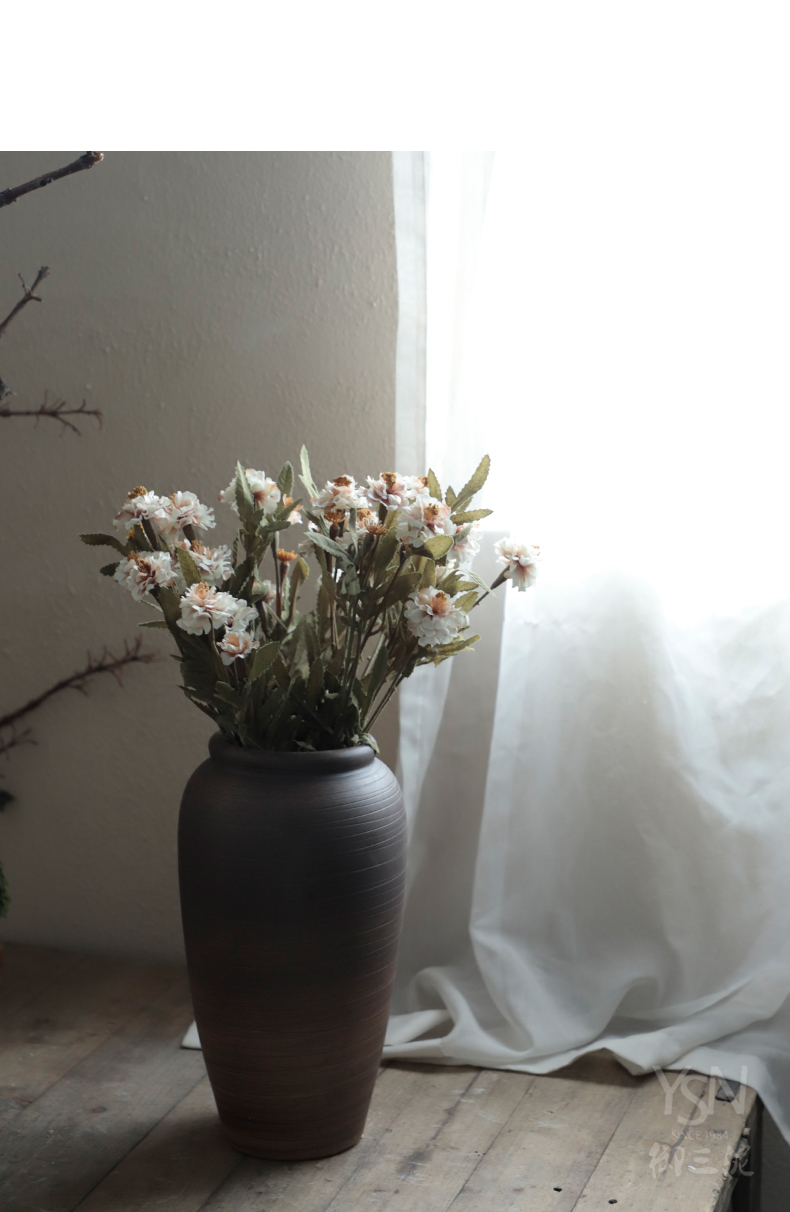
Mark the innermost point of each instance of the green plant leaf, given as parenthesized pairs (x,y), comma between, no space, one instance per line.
(471,515)
(263,659)
(450,497)
(189,569)
(388,545)
(466,601)
(433,486)
(428,575)
(315,682)
(108,570)
(475,483)
(170,602)
(326,544)
(307,476)
(404,587)
(104,540)
(437,546)
(155,623)
(244,499)
(376,674)
(285,481)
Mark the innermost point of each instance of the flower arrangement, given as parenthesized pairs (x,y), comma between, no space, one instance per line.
(395,590)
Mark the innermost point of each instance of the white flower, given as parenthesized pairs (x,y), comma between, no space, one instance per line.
(236,645)
(416,486)
(266,590)
(340,495)
(244,616)
(519,561)
(389,490)
(185,510)
(143,571)
(214,563)
(204,608)
(265,492)
(433,617)
(466,549)
(422,519)
(141,506)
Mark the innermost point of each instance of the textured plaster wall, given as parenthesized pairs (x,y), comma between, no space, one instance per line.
(215,306)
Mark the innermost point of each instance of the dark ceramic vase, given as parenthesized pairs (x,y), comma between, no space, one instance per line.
(291,867)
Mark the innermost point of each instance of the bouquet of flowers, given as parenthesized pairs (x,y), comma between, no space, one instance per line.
(395,590)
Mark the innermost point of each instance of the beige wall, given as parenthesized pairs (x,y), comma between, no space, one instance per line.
(215,306)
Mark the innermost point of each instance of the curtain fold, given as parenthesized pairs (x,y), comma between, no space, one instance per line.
(599,795)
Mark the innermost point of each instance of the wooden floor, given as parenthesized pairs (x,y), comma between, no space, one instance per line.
(101,1110)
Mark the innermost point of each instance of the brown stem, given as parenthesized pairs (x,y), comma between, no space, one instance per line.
(107,663)
(28,296)
(7,196)
(56,412)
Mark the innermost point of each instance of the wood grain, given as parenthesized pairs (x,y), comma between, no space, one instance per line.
(127,1122)
(64,1144)
(71,1016)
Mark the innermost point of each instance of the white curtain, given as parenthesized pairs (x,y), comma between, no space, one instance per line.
(599,796)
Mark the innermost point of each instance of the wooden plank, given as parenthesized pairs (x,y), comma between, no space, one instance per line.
(547,1150)
(65,1143)
(27,971)
(436,1142)
(311,1186)
(666,1156)
(41,1039)
(177,1166)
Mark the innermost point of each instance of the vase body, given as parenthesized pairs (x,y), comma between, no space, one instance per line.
(291,871)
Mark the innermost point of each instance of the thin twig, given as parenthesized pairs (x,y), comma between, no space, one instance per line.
(28,296)
(133,654)
(7,196)
(58,411)
(8,743)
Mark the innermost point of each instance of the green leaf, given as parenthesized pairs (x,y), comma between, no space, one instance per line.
(189,569)
(433,486)
(388,544)
(170,602)
(376,674)
(108,570)
(263,659)
(285,481)
(446,650)
(475,483)
(450,497)
(315,682)
(244,499)
(428,575)
(224,691)
(466,601)
(471,515)
(326,544)
(104,540)
(155,623)
(438,546)
(404,587)
(307,476)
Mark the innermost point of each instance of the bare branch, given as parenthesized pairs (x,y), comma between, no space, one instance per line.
(7,743)
(58,411)
(133,654)
(7,196)
(28,296)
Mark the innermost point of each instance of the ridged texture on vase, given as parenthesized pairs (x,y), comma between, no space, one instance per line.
(291,867)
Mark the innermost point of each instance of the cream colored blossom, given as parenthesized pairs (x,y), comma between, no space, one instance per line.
(265,492)
(204,608)
(235,645)
(466,549)
(519,561)
(423,519)
(140,506)
(185,510)
(265,590)
(215,564)
(340,495)
(433,617)
(244,617)
(142,572)
(389,490)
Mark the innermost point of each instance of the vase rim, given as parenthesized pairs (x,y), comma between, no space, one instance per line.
(323,760)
